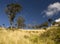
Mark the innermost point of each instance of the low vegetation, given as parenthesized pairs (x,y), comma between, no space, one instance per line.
(48,36)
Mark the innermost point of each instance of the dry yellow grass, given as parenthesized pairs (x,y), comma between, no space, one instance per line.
(17,36)
(31,36)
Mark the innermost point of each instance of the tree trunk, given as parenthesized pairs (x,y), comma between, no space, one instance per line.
(11,25)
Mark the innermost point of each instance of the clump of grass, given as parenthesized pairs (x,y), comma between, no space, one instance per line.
(26,36)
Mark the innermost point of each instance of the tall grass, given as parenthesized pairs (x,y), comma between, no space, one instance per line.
(48,36)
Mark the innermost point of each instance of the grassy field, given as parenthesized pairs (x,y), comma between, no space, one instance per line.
(49,36)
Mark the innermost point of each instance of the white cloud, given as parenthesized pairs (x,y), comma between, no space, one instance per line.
(57,20)
(53,9)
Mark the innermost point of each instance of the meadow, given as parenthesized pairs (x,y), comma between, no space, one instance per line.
(50,35)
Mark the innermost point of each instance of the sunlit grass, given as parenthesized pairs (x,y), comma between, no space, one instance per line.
(20,36)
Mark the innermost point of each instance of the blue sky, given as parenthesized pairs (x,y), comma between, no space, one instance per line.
(34,11)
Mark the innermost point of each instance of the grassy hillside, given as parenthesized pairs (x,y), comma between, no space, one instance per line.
(49,36)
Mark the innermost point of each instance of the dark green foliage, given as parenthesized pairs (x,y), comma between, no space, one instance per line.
(12,10)
(25,36)
(50,20)
(20,22)
(55,23)
(50,35)
(43,25)
(3,25)
(34,39)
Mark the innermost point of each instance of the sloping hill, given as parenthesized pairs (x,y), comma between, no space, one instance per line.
(51,36)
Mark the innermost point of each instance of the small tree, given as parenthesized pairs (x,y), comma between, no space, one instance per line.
(29,26)
(45,24)
(53,23)
(3,25)
(20,22)
(50,21)
(12,10)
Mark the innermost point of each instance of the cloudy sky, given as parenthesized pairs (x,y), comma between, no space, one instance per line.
(34,11)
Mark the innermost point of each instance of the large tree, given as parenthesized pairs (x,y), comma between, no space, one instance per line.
(11,10)
(20,22)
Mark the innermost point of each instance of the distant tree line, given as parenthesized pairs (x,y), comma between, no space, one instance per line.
(46,24)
